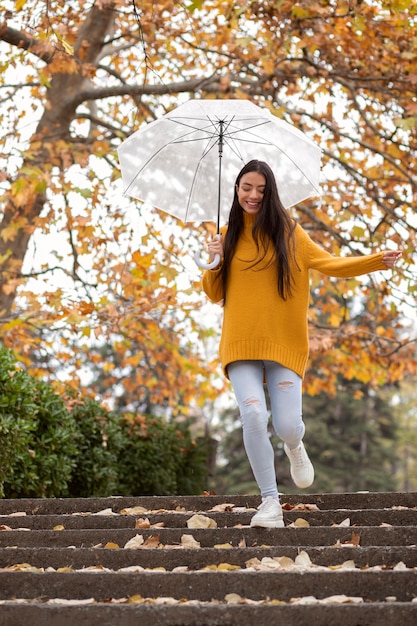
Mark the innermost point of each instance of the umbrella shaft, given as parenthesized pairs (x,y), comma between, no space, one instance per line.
(221,134)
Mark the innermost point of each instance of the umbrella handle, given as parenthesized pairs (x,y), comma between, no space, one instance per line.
(207,266)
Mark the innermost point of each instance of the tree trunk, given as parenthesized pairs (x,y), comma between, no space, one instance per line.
(28,196)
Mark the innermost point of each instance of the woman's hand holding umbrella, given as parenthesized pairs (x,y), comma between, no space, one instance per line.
(215,248)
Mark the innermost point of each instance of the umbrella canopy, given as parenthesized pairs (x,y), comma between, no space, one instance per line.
(186,162)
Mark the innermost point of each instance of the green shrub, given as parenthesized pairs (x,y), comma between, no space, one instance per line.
(98,442)
(160,458)
(44,467)
(17,413)
(57,447)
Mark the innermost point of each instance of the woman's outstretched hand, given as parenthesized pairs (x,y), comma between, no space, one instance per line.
(390,258)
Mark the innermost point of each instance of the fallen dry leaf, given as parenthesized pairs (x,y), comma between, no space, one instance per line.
(67,602)
(4,527)
(136,542)
(188,541)
(105,512)
(59,527)
(233,598)
(221,508)
(346,565)
(110,545)
(201,521)
(142,523)
(303,560)
(300,507)
(152,542)
(300,522)
(134,510)
(344,523)
(223,546)
(136,599)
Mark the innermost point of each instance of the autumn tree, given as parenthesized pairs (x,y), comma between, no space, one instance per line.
(79,77)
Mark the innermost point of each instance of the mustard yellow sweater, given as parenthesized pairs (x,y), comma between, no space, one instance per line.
(257,322)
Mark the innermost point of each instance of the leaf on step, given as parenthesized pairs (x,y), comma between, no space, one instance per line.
(341,599)
(131,569)
(152,542)
(15,514)
(400,566)
(233,598)
(285,561)
(201,521)
(142,523)
(227,567)
(384,524)
(304,600)
(221,508)
(64,569)
(25,567)
(346,565)
(165,600)
(180,509)
(344,523)
(355,540)
(110,545)
(134,510)
(269,563)
(4,527)
(300,522)
(105,512)
(223,546)
(136,599)
(180,569)
(303,560)
(242,543)
(301,506)
(136,542)
(188,541)
(67,602)
(59,527)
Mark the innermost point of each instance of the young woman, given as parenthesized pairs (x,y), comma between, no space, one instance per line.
(263,283)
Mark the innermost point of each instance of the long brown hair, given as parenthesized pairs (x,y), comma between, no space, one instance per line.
(272,225)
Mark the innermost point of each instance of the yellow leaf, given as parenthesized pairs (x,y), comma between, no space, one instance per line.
(136,599)
(112,546)
(59,527)
(227,567)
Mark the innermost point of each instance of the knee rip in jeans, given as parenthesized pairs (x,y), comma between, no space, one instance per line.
(284,385)
(251,400)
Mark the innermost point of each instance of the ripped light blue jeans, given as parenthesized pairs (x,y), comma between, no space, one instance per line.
(285,393)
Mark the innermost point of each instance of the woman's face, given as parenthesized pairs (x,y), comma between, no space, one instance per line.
(250,191)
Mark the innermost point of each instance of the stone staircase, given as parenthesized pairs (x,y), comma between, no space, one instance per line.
(341,560)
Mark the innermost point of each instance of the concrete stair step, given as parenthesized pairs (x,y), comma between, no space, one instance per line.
(78,558)
(360,517)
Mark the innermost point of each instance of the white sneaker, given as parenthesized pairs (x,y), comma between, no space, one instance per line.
(269,514)
(302,470)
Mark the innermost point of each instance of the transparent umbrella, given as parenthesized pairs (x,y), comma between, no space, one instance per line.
(186,162)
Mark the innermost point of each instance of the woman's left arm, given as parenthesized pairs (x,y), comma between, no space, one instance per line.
(347,267)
